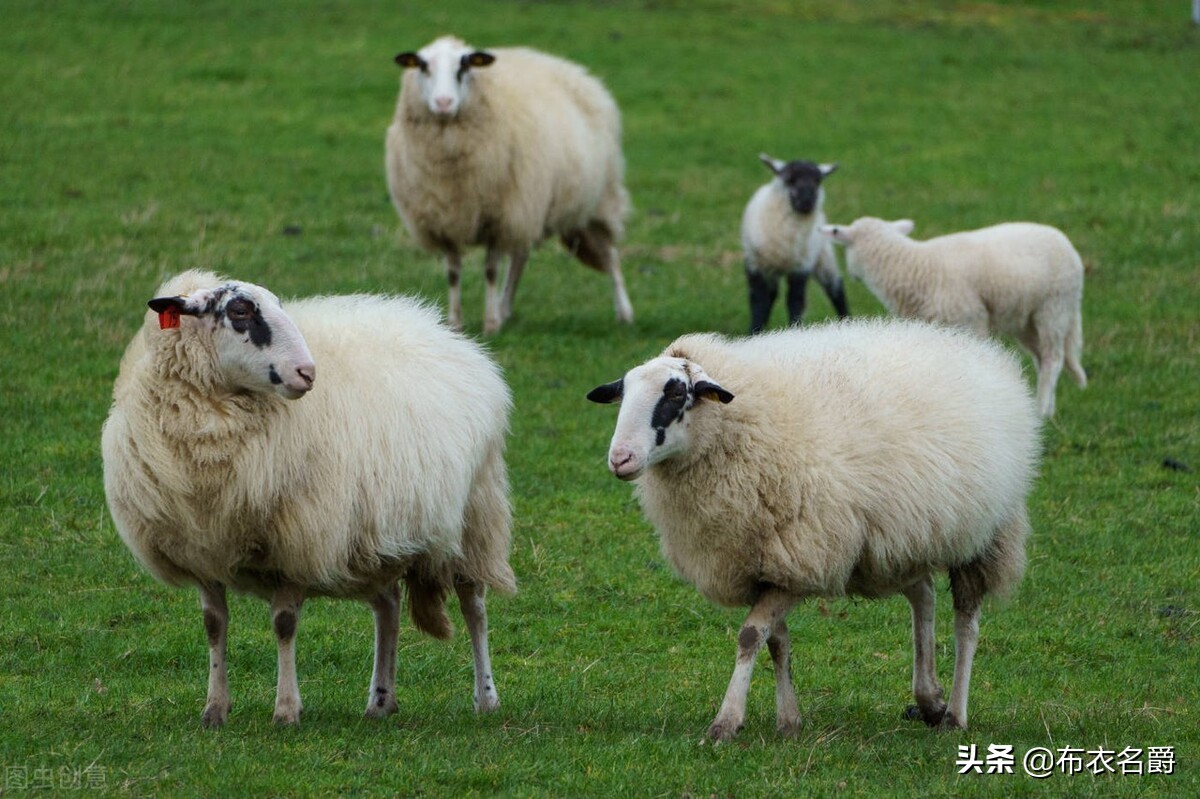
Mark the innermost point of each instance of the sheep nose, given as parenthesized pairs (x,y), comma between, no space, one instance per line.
(308,373)
(622,462)
(443,103)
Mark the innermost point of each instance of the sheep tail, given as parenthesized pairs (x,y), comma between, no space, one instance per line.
(427,604)
(487,536)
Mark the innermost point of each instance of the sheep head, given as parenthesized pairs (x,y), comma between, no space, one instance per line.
(444,73)
(257,346)
(656,400)
(801,180)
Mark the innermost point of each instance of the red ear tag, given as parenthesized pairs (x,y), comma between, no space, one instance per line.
(168,319)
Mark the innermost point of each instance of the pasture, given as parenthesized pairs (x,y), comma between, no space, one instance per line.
(143,137)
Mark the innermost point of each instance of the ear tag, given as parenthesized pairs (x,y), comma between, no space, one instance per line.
(169,318)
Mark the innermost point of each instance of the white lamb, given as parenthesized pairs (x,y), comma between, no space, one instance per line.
(504,149)
(857,458)
(1019,278)
(781,237)
(390,467)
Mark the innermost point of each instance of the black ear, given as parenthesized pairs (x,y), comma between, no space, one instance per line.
(609,392)
(478,59)
(706,389)
(180,304)
(407,60)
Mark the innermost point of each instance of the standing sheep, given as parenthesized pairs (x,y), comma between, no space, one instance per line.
(1019,278)
(858,458)
(781,236)
(391,467)
(504,149)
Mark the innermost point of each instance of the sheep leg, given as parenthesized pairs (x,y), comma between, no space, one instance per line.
(1050,364)
(771,609)
(797,284)
(787,712)
(927,691)
(967,585)
(454,279)
(762,298)
(216,626)
(381,701)
(474,611)
(516,266)
(492,315)
(285,615)
(593,246)
(827,275)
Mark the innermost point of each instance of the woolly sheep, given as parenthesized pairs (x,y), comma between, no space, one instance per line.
(505,148)
(781,236)
(390,467)
(1018,278)
(857,458)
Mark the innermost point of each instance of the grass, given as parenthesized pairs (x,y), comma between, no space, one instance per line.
(142,138)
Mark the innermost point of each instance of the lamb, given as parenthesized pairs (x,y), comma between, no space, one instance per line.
(781,236)
(858,458)
(1020,278)
(391,467)
(505,148)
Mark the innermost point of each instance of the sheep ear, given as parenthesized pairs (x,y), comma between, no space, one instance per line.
(827,169)
(707,389)
(478,59)
(609,392)
(408,60)
(773,164)
(835,232)
(905,226)
(180,305)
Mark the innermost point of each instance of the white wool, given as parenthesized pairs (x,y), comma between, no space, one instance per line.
(1019,278)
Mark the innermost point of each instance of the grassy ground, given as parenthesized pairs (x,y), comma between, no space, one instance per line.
(141,138)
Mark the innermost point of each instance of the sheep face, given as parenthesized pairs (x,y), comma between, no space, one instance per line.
(653,422)
(801,180)
(258,347)
(445,74)
(860,229)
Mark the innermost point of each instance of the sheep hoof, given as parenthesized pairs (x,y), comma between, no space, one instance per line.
(287,714)
(932,717)
(214,716)
(488,704)
(949,722)
(723,731)
(381,708)
(788,729)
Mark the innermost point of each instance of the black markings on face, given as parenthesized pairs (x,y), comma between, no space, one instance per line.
(245,317)
(803,181)
(671,406)
(274,376)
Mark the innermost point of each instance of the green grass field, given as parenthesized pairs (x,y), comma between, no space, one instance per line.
(142,137)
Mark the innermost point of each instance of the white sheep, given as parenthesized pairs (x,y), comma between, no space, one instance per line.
(858,458)
(504,149)
(390,467)
(1018,278)
(781,237)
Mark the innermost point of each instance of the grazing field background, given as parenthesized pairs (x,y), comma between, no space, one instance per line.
(139,138)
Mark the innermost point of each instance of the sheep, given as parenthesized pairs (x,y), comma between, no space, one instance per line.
(1020,278)
(391,467)
(505,148)
(859,458)
(781,237)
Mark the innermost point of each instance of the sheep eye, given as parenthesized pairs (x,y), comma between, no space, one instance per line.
(239,310)
(675,390)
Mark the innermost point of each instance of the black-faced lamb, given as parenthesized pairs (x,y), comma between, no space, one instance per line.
(227,464)
(858,458)
(504,148)
(781,237)
(1020,278)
